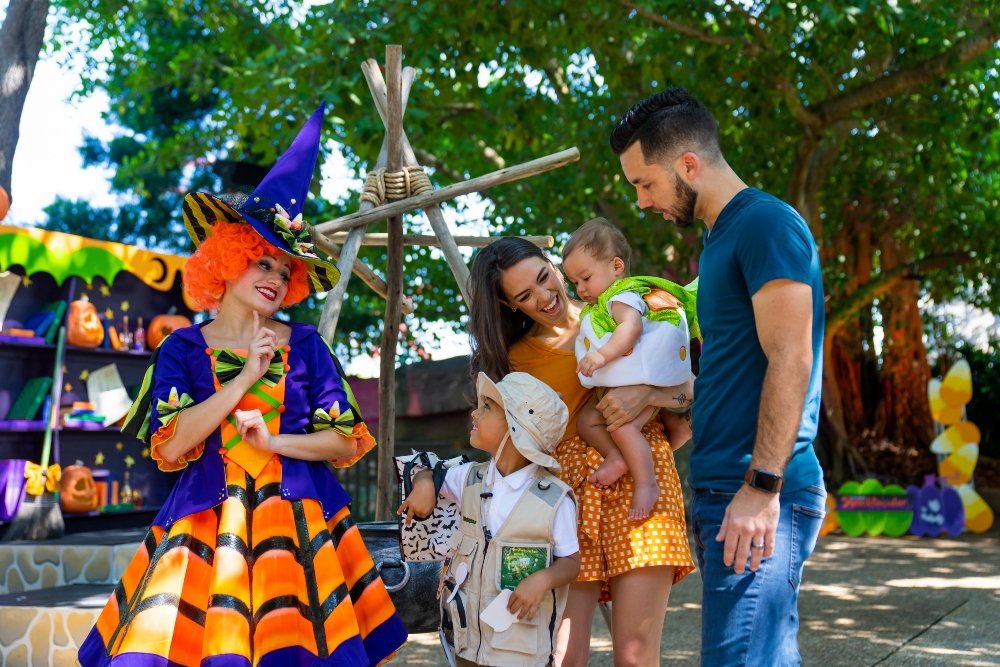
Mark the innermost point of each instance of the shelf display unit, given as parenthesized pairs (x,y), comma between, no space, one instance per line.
(120,280)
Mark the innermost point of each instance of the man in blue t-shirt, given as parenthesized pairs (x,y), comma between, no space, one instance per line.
(759,498)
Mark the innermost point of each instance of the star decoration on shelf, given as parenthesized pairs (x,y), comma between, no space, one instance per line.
(25,281)
(110,314)
(119,446)
(105,290)
(90,285)
(99,459)
(129,461)
(84,374)
(145,452)
(124,306)
(67,387)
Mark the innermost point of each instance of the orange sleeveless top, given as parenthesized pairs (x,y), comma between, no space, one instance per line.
(554,367)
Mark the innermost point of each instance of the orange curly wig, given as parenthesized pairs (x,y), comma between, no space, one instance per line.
(226,254)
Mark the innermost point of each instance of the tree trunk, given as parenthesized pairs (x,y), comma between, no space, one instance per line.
(904,415)
(21,37)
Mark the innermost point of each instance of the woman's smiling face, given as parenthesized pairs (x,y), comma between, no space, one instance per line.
(264,284)
(536,288)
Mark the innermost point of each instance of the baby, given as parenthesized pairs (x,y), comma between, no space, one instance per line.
(633,331)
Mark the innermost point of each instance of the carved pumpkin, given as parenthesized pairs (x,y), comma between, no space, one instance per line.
(162,326)
(77,491)
(85,329)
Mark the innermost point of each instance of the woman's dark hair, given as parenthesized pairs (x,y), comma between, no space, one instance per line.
(494,327)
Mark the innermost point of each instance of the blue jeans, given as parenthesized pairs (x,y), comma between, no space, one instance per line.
(752,618)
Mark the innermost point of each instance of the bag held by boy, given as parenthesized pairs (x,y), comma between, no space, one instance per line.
(427,539)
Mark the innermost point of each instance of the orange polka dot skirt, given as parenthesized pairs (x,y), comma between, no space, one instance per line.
(610,544)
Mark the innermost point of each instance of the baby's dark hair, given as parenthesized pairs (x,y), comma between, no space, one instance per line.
(602,240)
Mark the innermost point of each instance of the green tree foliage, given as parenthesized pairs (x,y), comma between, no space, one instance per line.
(876,119)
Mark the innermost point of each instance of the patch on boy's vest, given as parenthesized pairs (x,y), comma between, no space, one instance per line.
(546,489)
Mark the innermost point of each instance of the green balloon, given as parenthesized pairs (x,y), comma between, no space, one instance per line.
(874,521)
(852,523)
(897,523)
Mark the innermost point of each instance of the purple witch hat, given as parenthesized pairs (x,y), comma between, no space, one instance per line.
(274,208)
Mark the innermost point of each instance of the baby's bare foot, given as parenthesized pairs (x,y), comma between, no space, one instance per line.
(608,472)
(643,500)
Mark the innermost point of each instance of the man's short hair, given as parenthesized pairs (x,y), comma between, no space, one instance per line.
(602,240)
(666,125)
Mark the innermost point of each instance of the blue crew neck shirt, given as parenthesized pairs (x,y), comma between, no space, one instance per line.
(757,238)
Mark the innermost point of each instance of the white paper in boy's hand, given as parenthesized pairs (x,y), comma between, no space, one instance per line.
(496,615)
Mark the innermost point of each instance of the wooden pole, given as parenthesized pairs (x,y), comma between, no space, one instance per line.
(361,269)
(348,254)
(432,241)
(433,211)
(394,278)
(506,175)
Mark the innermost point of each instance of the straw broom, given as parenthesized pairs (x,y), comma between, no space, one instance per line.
(39,517)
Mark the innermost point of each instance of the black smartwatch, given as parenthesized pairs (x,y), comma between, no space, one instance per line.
(763,481)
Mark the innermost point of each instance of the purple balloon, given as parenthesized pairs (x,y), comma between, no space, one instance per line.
(929,515)
(954,511)
(917,525)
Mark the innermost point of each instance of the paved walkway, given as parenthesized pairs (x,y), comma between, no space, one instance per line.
(869,601)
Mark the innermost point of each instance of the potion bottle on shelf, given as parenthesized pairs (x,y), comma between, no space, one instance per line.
(126,491)
(139,337)
(126,335)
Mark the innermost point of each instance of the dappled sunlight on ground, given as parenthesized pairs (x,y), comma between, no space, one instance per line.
(865,601)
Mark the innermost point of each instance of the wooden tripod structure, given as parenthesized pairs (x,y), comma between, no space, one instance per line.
(390,95)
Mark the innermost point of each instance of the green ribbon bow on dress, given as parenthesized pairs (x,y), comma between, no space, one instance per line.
(343,422)
(228,365)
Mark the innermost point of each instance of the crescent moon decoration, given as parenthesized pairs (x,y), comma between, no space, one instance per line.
(163,270)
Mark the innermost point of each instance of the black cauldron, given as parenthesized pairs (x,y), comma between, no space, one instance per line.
(412,586)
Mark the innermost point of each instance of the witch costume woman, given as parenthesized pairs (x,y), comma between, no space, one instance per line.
(254,560)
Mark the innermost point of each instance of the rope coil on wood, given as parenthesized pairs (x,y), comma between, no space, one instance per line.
(382,186)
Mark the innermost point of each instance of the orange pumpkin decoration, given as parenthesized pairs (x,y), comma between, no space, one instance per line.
(77,491)
(164,325)
(4,203)
(85,329)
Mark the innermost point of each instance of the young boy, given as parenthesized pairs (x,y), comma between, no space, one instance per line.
(633,331)
(517,532)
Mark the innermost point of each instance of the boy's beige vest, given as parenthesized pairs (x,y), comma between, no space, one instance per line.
(528,644)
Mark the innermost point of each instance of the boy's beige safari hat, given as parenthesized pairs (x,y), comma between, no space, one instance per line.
(537,417)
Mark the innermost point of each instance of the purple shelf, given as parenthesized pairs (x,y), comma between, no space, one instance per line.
(33,341)
(22,425)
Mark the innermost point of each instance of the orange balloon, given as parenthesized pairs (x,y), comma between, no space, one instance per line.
(4,203)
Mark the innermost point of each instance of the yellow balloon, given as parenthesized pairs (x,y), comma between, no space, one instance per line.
(957,468)
(978,515)
(956,389)
(955,436)
(941,412)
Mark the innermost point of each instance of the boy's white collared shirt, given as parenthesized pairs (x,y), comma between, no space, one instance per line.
(506,492)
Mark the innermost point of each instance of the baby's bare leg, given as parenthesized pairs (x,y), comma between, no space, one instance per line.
(594,430)
(635,449)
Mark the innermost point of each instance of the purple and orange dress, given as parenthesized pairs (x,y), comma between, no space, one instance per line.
(255,559)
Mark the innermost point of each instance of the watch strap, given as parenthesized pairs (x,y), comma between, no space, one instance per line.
(763,481)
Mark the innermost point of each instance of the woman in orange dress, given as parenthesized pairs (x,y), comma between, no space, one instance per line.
(523,320)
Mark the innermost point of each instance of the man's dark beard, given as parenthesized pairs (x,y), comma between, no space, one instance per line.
(687,198)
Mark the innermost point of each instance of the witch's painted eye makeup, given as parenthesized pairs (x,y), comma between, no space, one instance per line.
(267,265)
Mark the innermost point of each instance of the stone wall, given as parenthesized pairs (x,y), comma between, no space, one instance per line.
(27,567)
(34,636)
